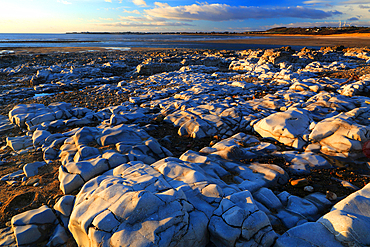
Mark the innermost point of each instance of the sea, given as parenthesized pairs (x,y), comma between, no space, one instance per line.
(127,41)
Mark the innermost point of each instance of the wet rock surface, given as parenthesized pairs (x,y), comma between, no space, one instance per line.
(185,147)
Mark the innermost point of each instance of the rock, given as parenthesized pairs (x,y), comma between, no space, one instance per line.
(308,189)
(308,234)
(303,163)
(237,221)
(154,68)
(286,127)
(17,175)
(341,135)
(302,182)
(33,226)
(163,211)
(65,205)
(331,196)
(348,219)
(356,87)
(19,142)
(22,113)
(115,159)
(86,153)
(50,154)
(5,124)
(69,182)
(85,135)
(129,189)
(39,137)
(59,237)
(7,237)
(31,169)
(88,169)
(121,134)
(32,181)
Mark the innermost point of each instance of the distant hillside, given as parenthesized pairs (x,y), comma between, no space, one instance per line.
(317,30)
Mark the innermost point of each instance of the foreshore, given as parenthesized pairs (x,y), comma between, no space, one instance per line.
(163,146)
(346,40)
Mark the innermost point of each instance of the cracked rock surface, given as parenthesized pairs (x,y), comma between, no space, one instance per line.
(186,148)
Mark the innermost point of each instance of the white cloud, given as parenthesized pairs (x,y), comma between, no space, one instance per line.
(139,2)
(161,5)
(355,2)
(108,1)
(132,18)
(316,2)
(131,11)
(316,24)
(145,24)
(106,19)
(141,19)
(63,2)
(305,24)
(224,12)
(364,6)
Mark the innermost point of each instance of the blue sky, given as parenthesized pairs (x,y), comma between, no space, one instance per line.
(59,16)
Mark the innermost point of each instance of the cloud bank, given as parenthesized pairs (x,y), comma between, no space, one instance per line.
(64,2)
(144,24)
(139,2)
(225,12)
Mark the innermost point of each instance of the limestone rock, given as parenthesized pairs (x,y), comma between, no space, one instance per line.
(31,169)
(348,220)
(286,127)
(19,142)
(341,135)
(116,212)
(33,226)
(237,221)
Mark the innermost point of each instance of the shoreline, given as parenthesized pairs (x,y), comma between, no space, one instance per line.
(280,40)
(347,40)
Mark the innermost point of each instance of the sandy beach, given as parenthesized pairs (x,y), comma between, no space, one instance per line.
(346,40)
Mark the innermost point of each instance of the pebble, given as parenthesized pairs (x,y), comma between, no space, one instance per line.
(31,181)
(331,196)
(299,182)
(308,189)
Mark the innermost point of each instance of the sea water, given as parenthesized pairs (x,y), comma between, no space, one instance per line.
(8,40)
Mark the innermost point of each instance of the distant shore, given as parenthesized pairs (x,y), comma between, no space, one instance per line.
(346,40)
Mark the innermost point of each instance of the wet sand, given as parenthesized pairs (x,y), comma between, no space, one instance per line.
(347,40)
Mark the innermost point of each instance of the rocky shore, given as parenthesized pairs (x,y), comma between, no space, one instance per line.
(185,147)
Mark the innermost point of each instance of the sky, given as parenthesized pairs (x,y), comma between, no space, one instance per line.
(60,16)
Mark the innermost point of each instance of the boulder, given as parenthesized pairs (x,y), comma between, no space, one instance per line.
(286,127)
(238,221)
(31,169)
(349,219)
(18,143)
(33,226)
(342,135)
(123,208)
